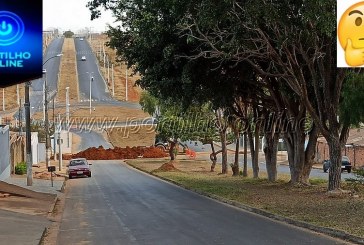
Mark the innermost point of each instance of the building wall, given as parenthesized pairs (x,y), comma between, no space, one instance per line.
(5,152)
(355,153)
(17,150)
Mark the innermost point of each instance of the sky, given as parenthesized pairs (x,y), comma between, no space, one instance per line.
(72,15)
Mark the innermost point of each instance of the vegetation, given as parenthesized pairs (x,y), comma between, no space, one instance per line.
(358,181)
(68,34)
(264,65)
(21,168)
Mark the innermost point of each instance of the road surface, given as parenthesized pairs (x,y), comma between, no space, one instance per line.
(52,68)
(89,68)
(91,139)
(120,205)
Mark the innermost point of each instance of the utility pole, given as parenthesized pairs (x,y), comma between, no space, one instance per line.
(67,106)
(126,82)
(28,136)
(54,138)
(46,121)
(3,99)
(103,49)
(18,95)
(59,143)
(91,78)
(44,95)
(108,71)
(20,119)
(112,79)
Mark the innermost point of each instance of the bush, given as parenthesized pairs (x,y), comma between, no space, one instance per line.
(358,180)
(21,168)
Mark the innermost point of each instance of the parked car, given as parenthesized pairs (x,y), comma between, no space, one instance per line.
(83,58)
(78,167)
(345,164)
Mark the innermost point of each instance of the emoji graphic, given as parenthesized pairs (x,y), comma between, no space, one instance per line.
(351,34)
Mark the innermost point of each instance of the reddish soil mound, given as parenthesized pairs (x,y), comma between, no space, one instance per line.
(166,167)
(118,153)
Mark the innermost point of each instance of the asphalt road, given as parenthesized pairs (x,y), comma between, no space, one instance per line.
(21,229)
(119,205)
(52,68)
(90,139)
(89,68)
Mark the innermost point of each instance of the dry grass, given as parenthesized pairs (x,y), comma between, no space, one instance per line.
(132,136)
(10,93)
(68,72)
(113,113)
(309,204)
(119,72)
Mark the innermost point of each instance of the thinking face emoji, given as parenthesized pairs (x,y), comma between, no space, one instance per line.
(351,34)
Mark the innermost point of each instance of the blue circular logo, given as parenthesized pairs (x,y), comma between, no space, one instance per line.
(11,28)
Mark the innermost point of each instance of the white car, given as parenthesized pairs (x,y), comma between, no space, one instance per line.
(83,58)
(81,39)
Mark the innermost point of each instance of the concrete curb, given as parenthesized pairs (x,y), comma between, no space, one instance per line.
(45,231)
(64,184)
(50,211)
(53,205)
(324,230)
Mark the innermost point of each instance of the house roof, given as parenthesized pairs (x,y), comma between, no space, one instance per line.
(356,137)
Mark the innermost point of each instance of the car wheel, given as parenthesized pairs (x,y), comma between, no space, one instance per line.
(349,170)
(89,175)
(69,176)
(325,170)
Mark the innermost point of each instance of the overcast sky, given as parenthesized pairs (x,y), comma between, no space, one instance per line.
(72,15)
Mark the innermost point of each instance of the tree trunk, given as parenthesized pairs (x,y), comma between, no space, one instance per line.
(235,167)
(309,155)
(213,157)
(295,141)
(254,150)
(245,167)
(335,168)
(224,164)
(270,153)
(301,158)
(171,150)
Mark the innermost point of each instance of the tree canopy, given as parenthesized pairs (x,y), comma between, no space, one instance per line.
(277,55)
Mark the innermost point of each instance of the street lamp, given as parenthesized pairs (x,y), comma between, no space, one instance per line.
(46,111)
(27,129)
(91,78)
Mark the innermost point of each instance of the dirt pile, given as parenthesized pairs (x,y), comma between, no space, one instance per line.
(100,153)
(167,167)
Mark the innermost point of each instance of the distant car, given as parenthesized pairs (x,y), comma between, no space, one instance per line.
(78,167)
(83,58)
(81,39)
(345,164)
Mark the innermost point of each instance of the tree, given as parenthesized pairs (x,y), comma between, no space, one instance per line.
(300,48)
(176,123)
(68,34)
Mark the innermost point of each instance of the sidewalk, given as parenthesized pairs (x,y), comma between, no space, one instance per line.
(26,209)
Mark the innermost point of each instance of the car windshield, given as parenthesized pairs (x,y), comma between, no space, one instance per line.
(77,163)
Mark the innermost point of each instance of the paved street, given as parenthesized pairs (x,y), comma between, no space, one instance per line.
(85,70)
(91,139)
(21,229)
(52,68)
(119,205)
